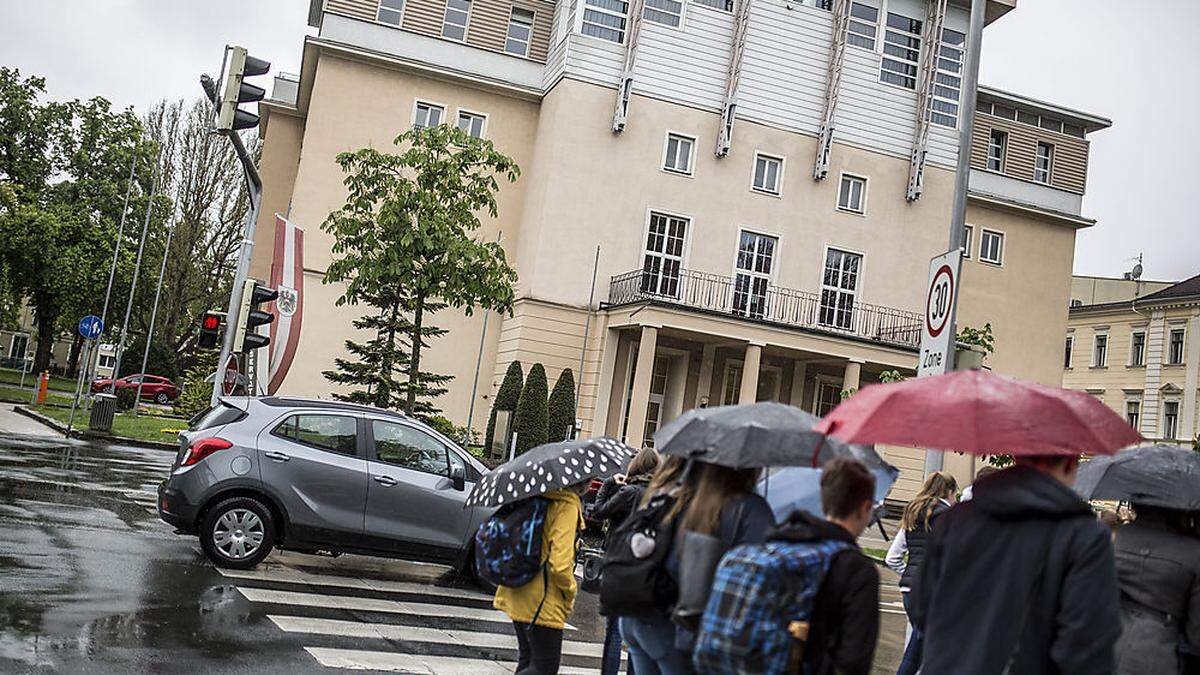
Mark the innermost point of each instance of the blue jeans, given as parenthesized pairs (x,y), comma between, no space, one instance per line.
(610,664)
(652,647)
(910,663)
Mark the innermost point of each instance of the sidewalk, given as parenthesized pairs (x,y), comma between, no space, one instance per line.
(12,422)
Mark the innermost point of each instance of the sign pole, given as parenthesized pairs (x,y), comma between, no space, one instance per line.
(90,328)
(137,268)
(162,272)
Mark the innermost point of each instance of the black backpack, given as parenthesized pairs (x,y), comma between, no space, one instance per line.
(634,581)
(508,546)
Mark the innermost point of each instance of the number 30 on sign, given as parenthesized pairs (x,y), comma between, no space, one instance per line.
(936,331)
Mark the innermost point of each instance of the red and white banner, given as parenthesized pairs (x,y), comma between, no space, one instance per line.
(287,276)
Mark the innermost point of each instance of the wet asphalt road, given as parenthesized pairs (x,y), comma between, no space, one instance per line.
(92,582)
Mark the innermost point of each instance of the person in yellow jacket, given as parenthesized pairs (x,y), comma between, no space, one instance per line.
(540,608)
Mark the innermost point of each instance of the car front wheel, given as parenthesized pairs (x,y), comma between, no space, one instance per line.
(161,398)
(238,533)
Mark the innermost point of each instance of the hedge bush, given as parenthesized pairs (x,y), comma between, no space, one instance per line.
(561,423)
(531,420)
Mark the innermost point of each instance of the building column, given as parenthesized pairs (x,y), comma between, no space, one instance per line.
(1191,380)
(799,373)
(639,398)
(750,366)
(704,386)
(851,377)
(605,379)
(677,375)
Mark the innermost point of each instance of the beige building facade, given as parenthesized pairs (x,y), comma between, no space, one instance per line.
(1141,356)
(697,222)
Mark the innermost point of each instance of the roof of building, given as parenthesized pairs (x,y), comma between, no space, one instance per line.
(1089,121)
(1188,288)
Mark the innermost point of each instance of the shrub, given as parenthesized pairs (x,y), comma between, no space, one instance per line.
(561,416)
(126,398)
(507,398)
(532,414)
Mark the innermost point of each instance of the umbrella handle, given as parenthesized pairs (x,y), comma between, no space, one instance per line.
(817,450)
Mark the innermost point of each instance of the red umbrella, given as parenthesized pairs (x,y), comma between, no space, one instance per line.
(982,413)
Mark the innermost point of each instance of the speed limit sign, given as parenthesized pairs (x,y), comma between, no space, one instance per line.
(936,332)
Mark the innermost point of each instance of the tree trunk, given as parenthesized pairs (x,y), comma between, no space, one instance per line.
(45,341)
(414,366)
(383,393)
(73,358)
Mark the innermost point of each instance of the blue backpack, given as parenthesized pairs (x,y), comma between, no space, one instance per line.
(758,592)
(508,546)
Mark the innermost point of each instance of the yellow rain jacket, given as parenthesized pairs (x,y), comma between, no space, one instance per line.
(564,518)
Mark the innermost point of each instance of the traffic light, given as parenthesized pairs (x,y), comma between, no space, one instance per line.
(235,91)
(210,330)
(245,338)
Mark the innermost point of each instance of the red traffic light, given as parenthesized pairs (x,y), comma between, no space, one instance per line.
(211,322)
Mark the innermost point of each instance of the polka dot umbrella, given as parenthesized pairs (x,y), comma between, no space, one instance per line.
(552,466)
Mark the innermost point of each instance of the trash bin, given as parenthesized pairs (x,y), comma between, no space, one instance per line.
(104,406)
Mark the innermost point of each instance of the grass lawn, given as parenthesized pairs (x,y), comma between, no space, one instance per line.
(14,395)
(143,427)
(13,376)
(875,552)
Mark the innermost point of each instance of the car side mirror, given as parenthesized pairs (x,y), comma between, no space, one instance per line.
(458,477)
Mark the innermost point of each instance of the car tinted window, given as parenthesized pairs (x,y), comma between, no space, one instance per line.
(408,447)
(336,433)
(218,415)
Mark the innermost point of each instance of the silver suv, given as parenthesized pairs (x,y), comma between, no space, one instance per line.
(315,476)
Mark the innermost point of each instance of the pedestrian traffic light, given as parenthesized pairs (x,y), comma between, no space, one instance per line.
(236,90)
(210,330)
(245,338)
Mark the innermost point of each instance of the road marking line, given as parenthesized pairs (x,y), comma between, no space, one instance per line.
(288,575)
(356,659)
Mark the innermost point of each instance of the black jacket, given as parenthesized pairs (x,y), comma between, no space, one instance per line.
(614,502)
(917,540)
(845,616)
(1020,576)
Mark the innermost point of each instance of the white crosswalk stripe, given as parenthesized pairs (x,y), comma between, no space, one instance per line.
(356,659)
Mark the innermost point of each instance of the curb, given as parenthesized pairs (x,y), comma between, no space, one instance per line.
(89,435)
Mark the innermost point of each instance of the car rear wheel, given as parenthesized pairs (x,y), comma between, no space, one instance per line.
(161,398)
(238,533)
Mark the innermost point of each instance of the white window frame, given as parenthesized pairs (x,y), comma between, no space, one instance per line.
(1167,360)
(822,381)
(939,113)
(1142,361)
(678,25)
(682,258)
(740,365)
(380,9)
(778,191)
(585,7)
(983,236)
(472,113)
(968,240)
(992,147)
(844,176)
(428,104)
(769,276)
(529,27)
(855,294)
(1165,432)
(1095,344)
(1138,412)
(1068,352)
(1040,174)
(726,5)
(691,155)
(915,64)
(466,24)
(853,20)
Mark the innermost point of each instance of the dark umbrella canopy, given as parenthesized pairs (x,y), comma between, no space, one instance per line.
(749,436)
(552,466)
(1154,475)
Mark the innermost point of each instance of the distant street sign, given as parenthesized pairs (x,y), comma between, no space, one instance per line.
(937,329)
(90,327)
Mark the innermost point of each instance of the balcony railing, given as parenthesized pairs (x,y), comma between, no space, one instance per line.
(753,299)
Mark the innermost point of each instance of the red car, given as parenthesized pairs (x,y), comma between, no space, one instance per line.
(155,388)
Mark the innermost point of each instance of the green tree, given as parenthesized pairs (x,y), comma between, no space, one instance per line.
(196,389)
(561,416)
(407,225)
(532,418)
(506,398)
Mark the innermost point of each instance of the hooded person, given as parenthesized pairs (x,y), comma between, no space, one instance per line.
(1020,579)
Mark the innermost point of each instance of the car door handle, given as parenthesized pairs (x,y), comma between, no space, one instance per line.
(384,480)
(277,456)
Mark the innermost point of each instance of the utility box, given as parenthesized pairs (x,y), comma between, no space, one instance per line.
(502,435)
(104,407)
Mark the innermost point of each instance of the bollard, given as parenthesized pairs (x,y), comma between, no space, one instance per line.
(45,383)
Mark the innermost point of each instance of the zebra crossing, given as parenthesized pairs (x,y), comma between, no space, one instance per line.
(408,622)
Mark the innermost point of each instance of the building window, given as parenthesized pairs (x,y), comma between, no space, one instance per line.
(997,150)
(1137,349)
(20,343)
(454,25)
(666,12)
(755,258)
(1100,350)
(1170,423)
(1175,347)
(948,79)
(605,19)
(768,172)
(852,195)
(1067,351)
(864,25)
(472,123)
(968,237)
(1133,412)
(428,114)
(678,154)
(520,27)
(663,259)
(390,11)
(991,247)
(901,51)
(1043,165)
(723,5)
(107,361)
(838,286)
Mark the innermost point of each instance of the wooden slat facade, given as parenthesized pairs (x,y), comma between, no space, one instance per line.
(487,27)
(1069,165)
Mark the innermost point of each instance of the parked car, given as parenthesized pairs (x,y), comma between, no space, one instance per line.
(253,474)
(154,388)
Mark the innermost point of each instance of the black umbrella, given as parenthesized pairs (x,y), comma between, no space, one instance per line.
(749,436)
(550,467)
(1154,475)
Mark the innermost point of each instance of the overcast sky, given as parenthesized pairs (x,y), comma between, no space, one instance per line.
(1133,62)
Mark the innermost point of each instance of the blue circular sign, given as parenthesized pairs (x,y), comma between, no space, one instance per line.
(90,327)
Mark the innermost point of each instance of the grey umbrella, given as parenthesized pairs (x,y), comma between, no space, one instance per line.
(749,436)
(1154,475)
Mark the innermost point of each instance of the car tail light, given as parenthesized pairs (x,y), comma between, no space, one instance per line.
(203,447)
